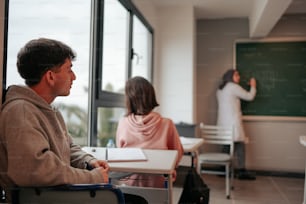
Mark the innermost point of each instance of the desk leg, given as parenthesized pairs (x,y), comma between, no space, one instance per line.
(194,158)
(170,188)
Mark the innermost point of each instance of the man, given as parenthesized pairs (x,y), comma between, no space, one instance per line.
(35,146)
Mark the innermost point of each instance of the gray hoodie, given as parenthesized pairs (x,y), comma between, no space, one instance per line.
(35,147)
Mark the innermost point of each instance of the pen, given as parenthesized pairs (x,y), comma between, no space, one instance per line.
(106,154)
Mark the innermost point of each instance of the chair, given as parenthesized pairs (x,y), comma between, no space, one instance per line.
(217,136)
(76,194)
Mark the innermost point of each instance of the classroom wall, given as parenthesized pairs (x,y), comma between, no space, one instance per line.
(274,145)
(174,59)
(214,56)
(175,65)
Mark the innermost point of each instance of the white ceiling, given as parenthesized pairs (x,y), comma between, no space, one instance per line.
(262,14)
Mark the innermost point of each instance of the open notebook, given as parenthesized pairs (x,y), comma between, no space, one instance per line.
(116,154)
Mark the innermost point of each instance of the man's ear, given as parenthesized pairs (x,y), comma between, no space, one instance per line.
(49,77)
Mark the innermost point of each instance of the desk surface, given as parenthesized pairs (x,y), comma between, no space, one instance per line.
(191,144)
(158,161)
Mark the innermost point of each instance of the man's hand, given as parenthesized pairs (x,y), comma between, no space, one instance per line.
(103,167)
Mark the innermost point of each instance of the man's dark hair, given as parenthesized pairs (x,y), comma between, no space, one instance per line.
(140,96)
(40,55)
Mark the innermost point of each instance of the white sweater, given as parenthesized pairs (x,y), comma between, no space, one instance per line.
(229,108)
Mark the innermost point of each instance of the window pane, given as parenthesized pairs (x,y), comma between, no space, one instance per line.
(142,47)
(115,46)
(107,124)
(67,21)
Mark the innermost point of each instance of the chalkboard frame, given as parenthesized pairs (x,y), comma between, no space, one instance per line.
(268,40)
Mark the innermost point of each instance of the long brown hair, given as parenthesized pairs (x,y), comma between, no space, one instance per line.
(227,77)
(140,96)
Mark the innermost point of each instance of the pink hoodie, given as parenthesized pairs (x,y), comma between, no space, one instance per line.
(150,132)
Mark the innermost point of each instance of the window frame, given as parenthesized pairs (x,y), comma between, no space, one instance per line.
(4,57)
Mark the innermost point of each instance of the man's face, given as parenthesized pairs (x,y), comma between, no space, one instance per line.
(64,76)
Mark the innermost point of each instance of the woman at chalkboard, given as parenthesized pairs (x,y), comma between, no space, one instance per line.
(229,95)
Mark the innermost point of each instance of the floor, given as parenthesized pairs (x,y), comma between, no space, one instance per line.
(263,190)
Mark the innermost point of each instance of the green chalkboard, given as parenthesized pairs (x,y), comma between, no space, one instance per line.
(280,72)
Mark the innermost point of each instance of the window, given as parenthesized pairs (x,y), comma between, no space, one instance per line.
(123,49)
(69,22)
(142,50)
(113,42)
(107,124)
(115,46)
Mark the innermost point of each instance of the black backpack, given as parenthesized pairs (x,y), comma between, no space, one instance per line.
(195,190)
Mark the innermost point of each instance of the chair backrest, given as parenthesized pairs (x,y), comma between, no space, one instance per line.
(219,135)
(74,194)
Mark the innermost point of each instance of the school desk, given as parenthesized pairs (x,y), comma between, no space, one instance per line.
(157,162)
